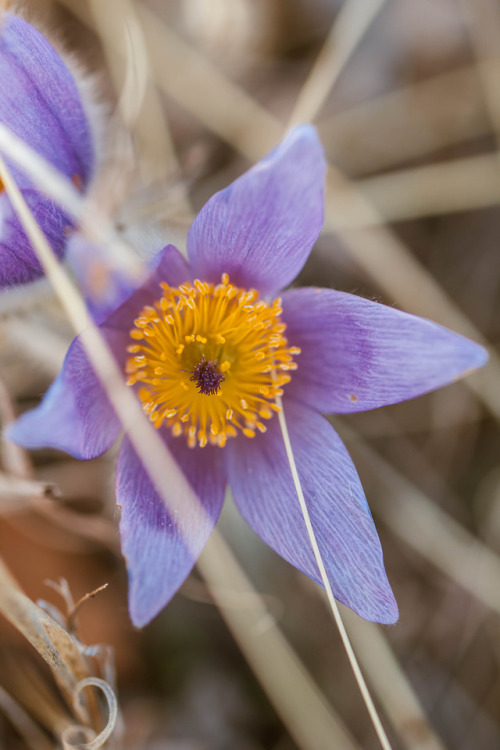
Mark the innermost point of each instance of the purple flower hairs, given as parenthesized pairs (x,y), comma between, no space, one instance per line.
(41,104)
(207,346)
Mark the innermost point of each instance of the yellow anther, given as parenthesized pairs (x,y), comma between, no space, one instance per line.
(203,331)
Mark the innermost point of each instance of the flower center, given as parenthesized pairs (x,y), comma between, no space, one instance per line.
(207,376)
(210,360)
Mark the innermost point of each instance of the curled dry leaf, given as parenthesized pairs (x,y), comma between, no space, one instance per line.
(69,735)
(66,657)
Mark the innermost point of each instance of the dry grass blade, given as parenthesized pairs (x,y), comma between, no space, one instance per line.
(13,458)
(393,689)
(391,265)
(441,111)
(353,19)
(187,76)
(18,494)
(69,736)
(43,348)
(139,105)
(181,72)
(459,185)
(50,640)
(306,713)
(16,488)
(28,685)
(32,735)
(441,540)
(483,26)
(377,724)
(86,213)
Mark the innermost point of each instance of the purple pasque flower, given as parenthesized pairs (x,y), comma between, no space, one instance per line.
(207,346)
(41,104)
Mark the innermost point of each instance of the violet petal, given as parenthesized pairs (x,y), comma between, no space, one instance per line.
(358,355)
(260,229)
(18,262)
(41,104)
(158,557)
(168,266)
(75,415)
(260,478)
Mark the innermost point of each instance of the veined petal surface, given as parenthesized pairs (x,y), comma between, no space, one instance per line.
(260,229)
(41,104)
(167,266)
(75,415)
(358,355)
(40,101)
(18,262)
(260,478)
(161,547)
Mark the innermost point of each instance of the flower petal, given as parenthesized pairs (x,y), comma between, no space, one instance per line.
(260,230)
(40,101)
(158,557)
(75,415)
(358,354)
(41,104)
(169,266)
(18,262)
(261,481)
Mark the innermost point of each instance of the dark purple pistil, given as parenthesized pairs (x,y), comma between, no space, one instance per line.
(207,377)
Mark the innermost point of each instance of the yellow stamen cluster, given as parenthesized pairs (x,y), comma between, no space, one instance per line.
(228,327)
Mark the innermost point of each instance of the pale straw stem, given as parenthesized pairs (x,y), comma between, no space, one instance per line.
(84,211)
(384,741)
(442,110)
(416,519)
(351,22)
(432,190)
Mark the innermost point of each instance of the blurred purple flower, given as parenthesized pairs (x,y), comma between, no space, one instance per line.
(207,356)
(40,103)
